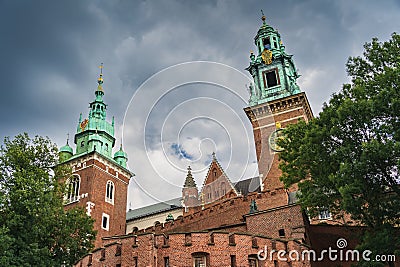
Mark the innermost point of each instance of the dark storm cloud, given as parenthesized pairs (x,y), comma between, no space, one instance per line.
(50,50)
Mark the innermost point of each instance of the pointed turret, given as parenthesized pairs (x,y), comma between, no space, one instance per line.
(95,133)
(190,194)
(273,71)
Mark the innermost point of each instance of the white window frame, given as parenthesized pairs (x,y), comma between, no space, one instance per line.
(105,215)
(203,258)
(324,214)
(110,195)
(72,194)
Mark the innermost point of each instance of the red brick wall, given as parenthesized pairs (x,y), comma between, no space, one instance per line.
(289,218)
(263,118)
(151,249)
(94,175)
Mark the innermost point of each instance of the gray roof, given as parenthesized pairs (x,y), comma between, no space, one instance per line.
(171,204)
(249,185)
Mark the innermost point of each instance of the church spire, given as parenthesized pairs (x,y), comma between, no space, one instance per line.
(273,70)
(189,181)
(95,133)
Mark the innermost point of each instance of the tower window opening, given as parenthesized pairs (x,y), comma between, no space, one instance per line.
(266,43)
(73,190)
(82,143)
(271,78)
(274,42)
(110,192)
(105,222)
(106,147)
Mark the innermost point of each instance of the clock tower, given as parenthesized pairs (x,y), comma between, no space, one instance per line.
(275,100)
(99,180)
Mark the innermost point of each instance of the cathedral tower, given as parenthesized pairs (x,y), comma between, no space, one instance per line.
(275,100)
(99,180)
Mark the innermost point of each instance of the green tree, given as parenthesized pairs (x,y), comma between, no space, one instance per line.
(348,158)
(34,228)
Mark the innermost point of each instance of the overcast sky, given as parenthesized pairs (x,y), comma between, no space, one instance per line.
(50,52)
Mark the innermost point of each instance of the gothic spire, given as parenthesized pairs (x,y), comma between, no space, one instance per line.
(189,181)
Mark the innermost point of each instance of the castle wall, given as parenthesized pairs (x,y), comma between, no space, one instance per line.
(219,248)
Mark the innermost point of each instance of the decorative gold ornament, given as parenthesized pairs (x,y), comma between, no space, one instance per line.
(84,124)
(266,56)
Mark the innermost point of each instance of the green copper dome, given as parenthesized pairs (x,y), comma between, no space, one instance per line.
(65,153)
(67,149)
(121,157)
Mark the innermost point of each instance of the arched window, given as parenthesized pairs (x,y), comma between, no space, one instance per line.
(223,189)
(72,194)
(110,192)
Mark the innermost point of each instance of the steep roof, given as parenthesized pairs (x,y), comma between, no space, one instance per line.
(210,177)
(249,185)
(172,204)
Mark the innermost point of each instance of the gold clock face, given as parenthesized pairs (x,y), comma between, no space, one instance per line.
(273,139)
(266,56)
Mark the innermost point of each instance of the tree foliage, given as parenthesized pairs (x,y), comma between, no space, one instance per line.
(34,228)
(348,158)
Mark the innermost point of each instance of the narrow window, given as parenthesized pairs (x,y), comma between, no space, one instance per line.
(233,260)
(110,192)
(82,143)
(266,43)
(215,173)
(223,189)
(135,261)
(166,261)
(73,185)
(253,261)
(281,232)
(199,261)
(105,222)
(106,147)
(274,42)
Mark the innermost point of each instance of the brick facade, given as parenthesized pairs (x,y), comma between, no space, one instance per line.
(219,248)
(94,171)
(263,118)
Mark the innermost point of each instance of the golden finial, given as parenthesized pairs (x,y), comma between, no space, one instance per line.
(263,18)
(100,79)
